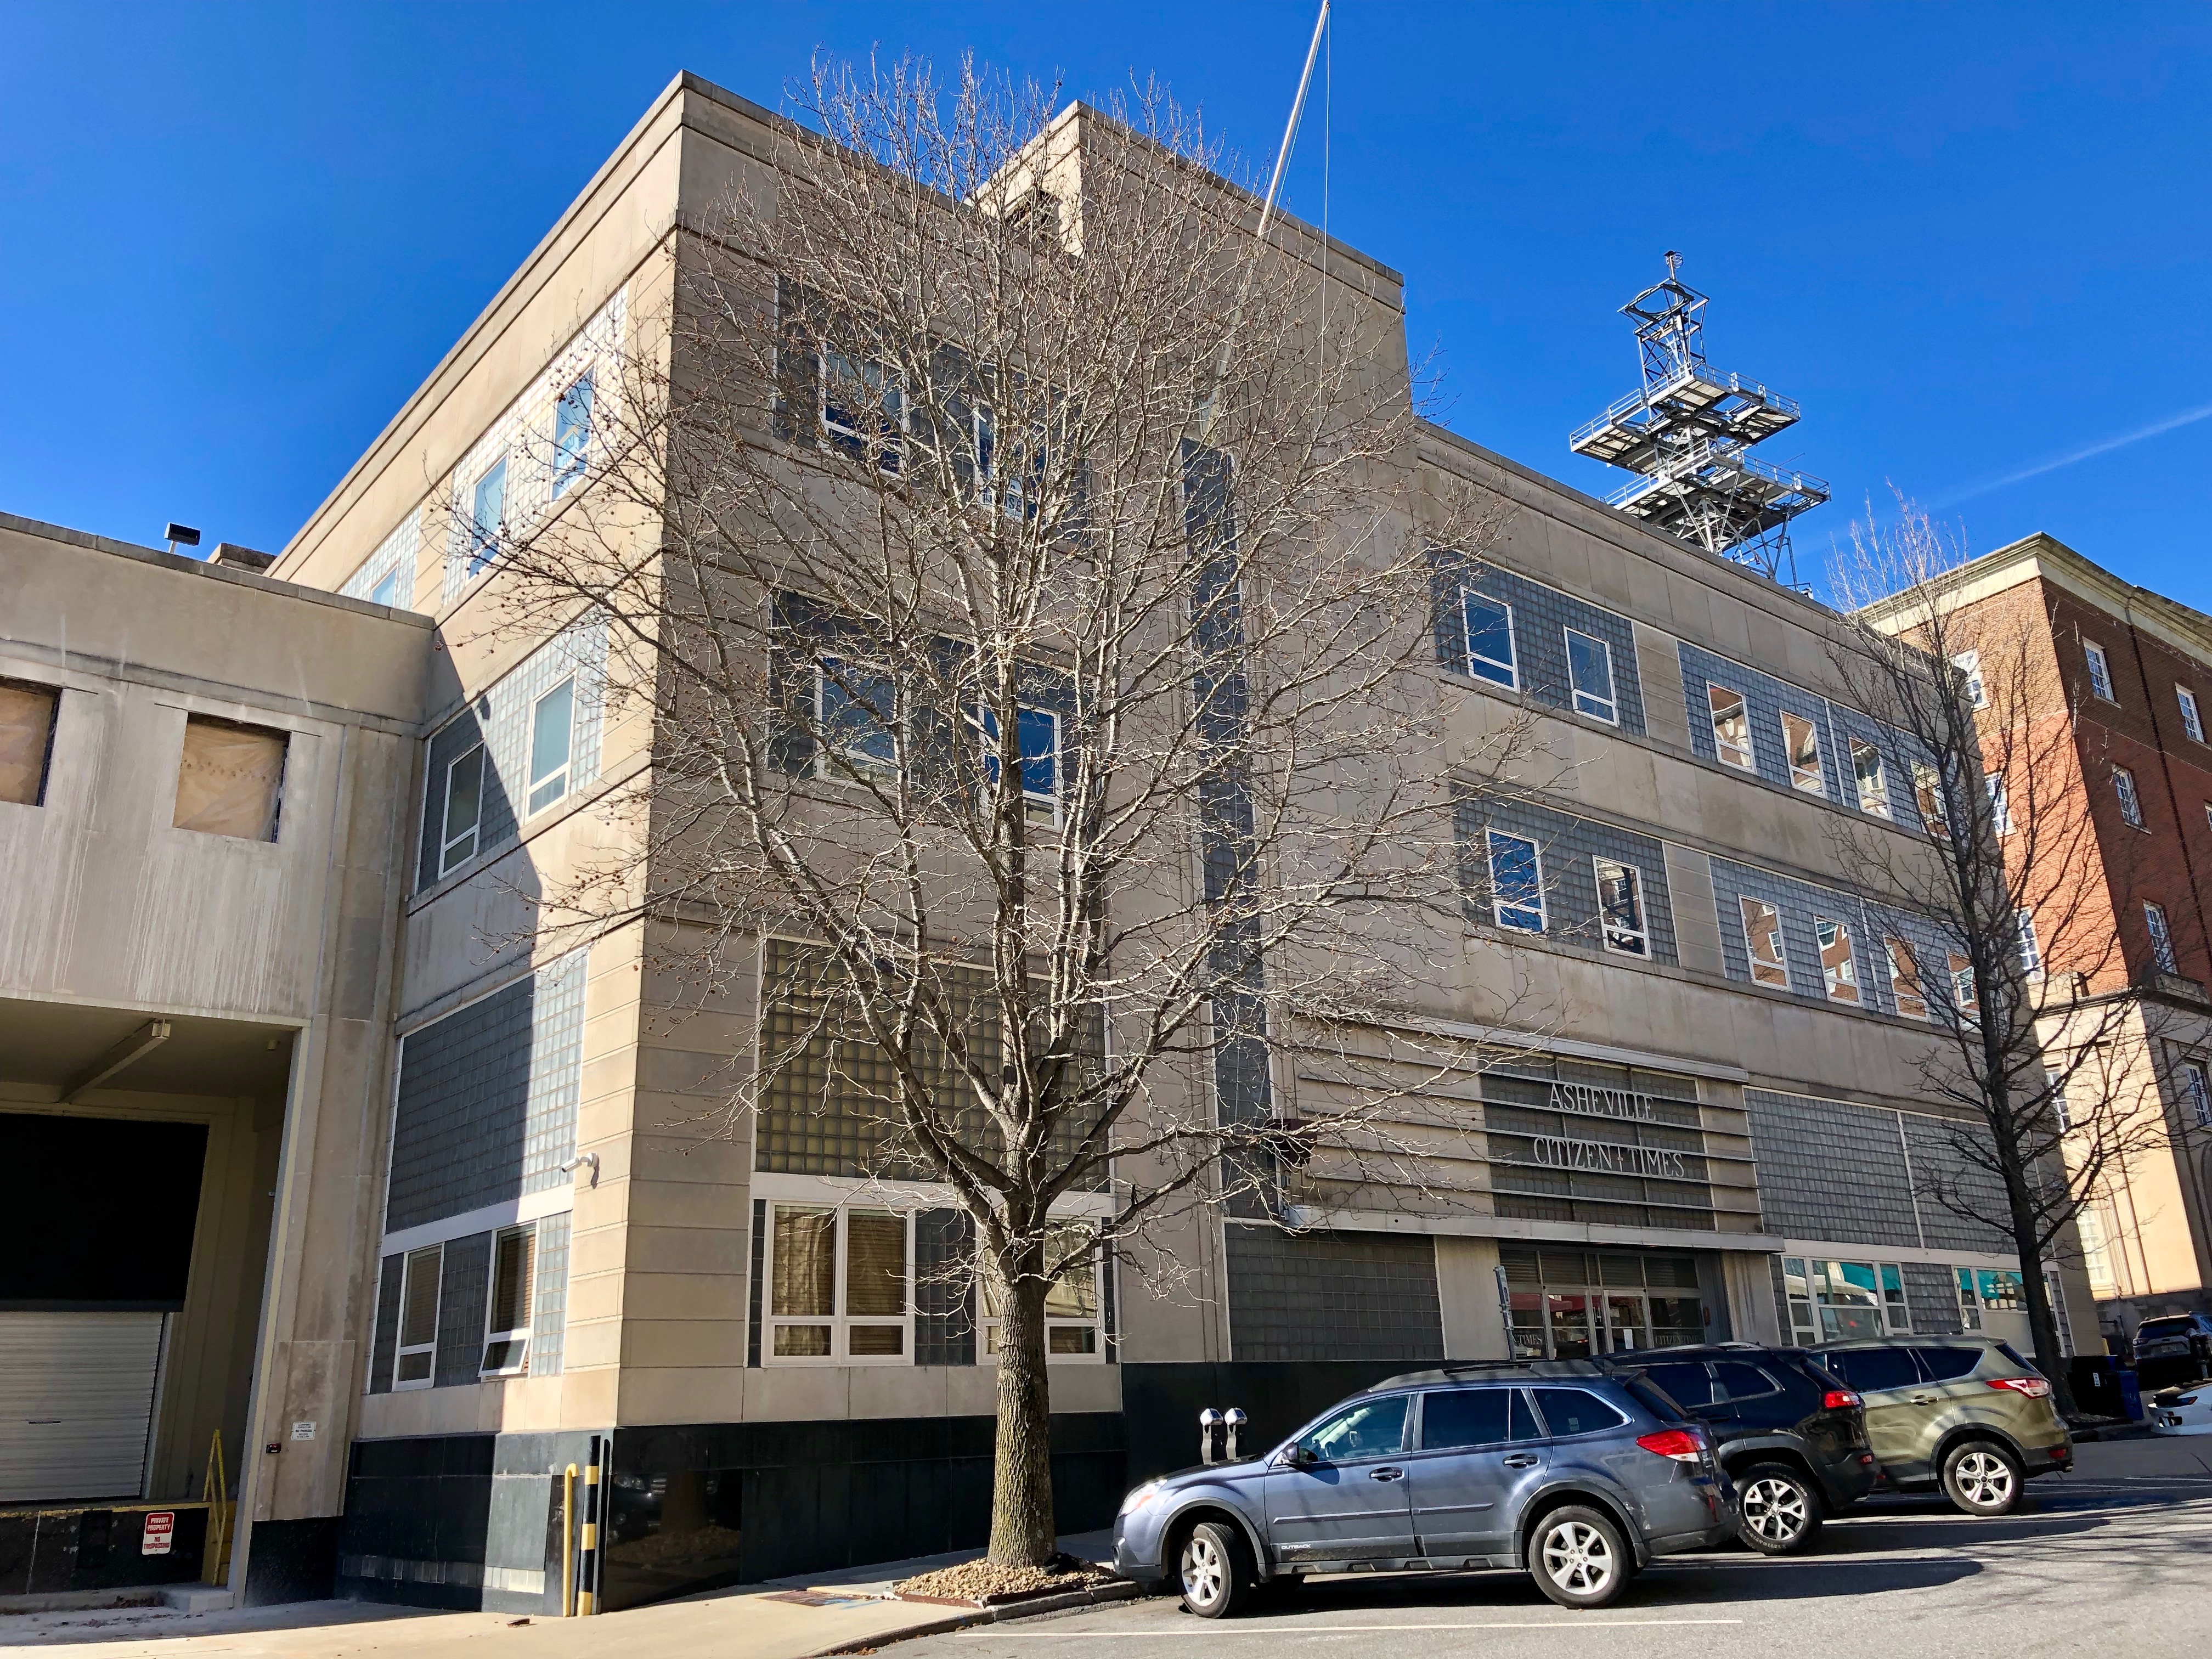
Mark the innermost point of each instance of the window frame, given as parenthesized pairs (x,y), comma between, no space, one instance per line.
(1929,791)
(1641,933)
(2160,929)
(2030,947)
(840,1322)
(2193,717)
(859,768)
(2129,797)
(1748,749)
(1837,980)
(481,540)
(1892,945)
(1809,780)
(1606,707)
(1993,784)
(1969,665)
(1761,968)
(563,773)
(46,764)
(1499,906)
(1469,596)
(403,1350)
(572,439)
(280,735)
(1045,806)
(1893,1312)
(1966,996)
(989,1324)
(850,441)
(386,591)
(447,837)
(2100,673)
(2197,1089)
(1875,802)
(515,1336)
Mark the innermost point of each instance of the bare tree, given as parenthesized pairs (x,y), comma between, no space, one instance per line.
(1039,644)
(2047,1051)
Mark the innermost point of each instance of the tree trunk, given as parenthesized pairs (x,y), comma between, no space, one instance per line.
(2042,1327)
(1022,1531)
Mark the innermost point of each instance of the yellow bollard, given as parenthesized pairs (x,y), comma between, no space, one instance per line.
(568,1543)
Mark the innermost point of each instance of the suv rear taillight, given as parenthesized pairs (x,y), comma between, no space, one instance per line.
(1841,1399)
(2033,1387)
(1683,1445)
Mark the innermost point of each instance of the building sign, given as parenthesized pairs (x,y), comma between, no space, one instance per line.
(161,1532)
(1593,1102)
(1557,1153)
(303,1431)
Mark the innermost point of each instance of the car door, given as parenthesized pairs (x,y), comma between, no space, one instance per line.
(1479,1447)
(1345,1499)
(1887,1379)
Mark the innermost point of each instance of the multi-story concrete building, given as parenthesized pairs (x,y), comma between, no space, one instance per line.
(2119,675)
(1715,1124)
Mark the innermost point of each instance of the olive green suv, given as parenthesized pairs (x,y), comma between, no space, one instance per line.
(1963,1413)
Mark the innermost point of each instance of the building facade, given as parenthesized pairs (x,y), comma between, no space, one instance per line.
(1714,1122)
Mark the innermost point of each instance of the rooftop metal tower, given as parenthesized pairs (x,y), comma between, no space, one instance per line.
(1688,434)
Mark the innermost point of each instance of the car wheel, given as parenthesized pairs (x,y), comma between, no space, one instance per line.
(1578,1558)
(1215,1570)
(1781,1511)
(1983,1477)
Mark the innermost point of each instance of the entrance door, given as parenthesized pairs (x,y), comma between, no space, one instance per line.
(76,1403)
(1349,1504)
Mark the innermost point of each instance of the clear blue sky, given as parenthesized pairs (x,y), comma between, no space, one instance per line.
(1972,239)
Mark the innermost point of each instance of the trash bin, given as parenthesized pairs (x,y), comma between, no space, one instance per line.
(2131,1396)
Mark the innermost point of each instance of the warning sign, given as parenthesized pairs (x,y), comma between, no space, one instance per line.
(161,1530)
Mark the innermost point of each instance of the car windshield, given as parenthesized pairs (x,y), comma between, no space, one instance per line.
(2154,1328)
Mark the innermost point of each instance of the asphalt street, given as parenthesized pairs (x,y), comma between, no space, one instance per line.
(2116,1564)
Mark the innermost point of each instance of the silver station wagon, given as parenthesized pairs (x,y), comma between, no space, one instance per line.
(1576,1476)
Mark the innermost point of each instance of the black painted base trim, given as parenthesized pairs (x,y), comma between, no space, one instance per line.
(293,1561)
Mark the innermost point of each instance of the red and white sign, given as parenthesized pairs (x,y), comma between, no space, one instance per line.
(160,1530)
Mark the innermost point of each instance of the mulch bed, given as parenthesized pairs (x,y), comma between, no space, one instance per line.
(982,1584)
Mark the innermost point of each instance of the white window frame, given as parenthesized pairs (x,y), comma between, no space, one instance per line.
(2030,948)
(2192,718)
(562,773)
(1970,1301)
(2161,937)
(2129,797)
(987,1327)
(405,1350)
(1965,1000)
(1840,983)
(1498,904)
(1812,780)
(1512,665)
(1761,967)
(837,435)
(1969,665)
(861,766)
(449,837)
(841,1322)
(2054,1086)
(1043,806)
(1641,934)
(569,469)
(518,1335)
(386,591)
(1893,1313)
(1927,786)
(1607,708)
(481,541)
(2100,672)
(2197,1090)
(1874,800)
(1748,749)
(2000,803)
(1891,946)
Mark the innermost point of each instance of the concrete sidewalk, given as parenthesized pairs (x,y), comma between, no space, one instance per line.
(749,1621)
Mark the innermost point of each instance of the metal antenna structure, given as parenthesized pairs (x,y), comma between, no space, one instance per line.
(1687,434)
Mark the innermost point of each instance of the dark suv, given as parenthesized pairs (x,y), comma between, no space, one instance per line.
(1790,1435)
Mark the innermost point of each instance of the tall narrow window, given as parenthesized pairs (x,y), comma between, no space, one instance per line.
(1969,665)
(1071,1302)
(1801,740)
(1489,626)
(2054,1089)
(507,1321)
(2161,937)
(862,409)
(1928,797)
(1838,971)
(854,711)
(1516,882)
(552,731)
(2031,949)
(418,1318)
(464,811)
(1038,730)
(1873,781)
(1965,1000)
(1970,1305)
(27,740)
(1762,936)
(2000,804)
(2123,785)
(1731,727)
(2197,1092)
(1905,980)
(487,513)
(1589,674)
(230,780)
(2192,721)
(572,434)
(2100,672)
(1620,908)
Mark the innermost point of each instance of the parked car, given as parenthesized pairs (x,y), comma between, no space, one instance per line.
(1791,1435)
(2174,1348)
(1575,1474)
(2182,1410)
(1963,1413)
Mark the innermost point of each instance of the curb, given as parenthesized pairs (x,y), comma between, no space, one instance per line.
(1009,1614)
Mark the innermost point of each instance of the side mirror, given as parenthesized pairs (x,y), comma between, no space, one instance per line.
(1300,1457)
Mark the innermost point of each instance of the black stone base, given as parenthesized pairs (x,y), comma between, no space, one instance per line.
(47,1550)
(293,1561)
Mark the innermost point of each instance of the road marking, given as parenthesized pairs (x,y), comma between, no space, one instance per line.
(1246,1629)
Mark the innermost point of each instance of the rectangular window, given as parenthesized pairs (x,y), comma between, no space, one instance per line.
(1970,1305)
(572,434)
(1489,626)
(27,740)
(507,1321)
(1894,1308)
(2123,785)
(1928,797)
(1969,665)
(863,411)
(487,514)
(1589,674)
(1072,1323)
(230,780)
(1965,1001)
(2031,949)
(1516,882)
(418,1317)
(464,811)
(839,1286)
(1838,971)
(1620,908)
(2000,1290)
(1762,934)
(2161,937)
(1873,781)
(1731,727)
(1999,807)
(386,591)
(1797,1291)
(2192,721)
(854,711)
(2196,1092)
(1801,741)
(2100,672)
(1905,980)
(2054,1086)
(1038,731)
(552,731)
(1854,1301)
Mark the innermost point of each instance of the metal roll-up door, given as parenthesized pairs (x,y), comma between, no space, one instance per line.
(76,1403)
